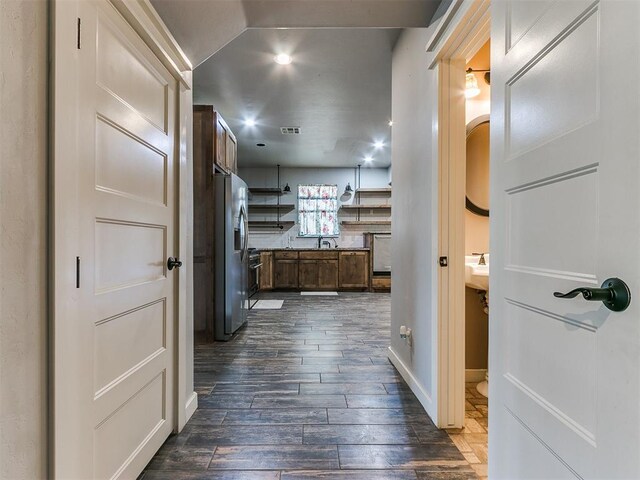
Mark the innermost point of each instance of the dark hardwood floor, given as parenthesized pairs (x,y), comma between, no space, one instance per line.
(307,392)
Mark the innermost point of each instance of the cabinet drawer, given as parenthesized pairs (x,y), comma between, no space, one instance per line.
(285,255)
(381,283)
(319,255)
(355,253)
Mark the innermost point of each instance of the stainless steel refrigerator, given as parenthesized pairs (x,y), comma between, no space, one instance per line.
(231,259)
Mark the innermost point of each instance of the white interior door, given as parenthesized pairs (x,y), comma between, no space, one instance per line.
(114,352)
(564,390)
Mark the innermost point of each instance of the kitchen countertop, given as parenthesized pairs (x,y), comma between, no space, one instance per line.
(313,249)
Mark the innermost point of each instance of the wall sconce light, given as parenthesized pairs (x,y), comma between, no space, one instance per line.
(287,188)
(471,84)
(348,189)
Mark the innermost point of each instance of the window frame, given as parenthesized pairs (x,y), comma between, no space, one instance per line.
(299,212)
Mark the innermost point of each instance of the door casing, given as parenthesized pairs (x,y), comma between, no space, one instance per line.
(462,31)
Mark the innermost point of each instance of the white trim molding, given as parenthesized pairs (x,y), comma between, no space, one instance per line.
(463,29)
(192,405)
(416,387)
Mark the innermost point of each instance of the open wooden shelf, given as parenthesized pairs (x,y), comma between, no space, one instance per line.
(265,191)
(271,225)
(383,190)
(361,206)
(365,222)
(271,206)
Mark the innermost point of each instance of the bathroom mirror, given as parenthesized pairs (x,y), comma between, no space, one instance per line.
(478,166)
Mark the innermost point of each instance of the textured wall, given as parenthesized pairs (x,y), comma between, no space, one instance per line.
(415,222)
(23,206)
(349,236)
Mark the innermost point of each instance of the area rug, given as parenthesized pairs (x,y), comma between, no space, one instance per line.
(268,305)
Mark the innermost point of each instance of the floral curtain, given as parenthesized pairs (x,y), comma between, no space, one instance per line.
(318,210)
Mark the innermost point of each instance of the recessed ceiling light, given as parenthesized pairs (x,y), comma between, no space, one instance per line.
(368,159)
(261,144)
(378,144)
(283,59)
(390,123)
(250,122)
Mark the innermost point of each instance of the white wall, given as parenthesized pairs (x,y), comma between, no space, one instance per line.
(267,177)
(415,222)
(23,239)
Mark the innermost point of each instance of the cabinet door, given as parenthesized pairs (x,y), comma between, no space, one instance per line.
(221,143)
(286,274)
(232,155)
(354,270)
(328,274)
(265,279)
(308,271)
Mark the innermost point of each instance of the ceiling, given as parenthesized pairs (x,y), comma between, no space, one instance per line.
(338,90)
(203,27)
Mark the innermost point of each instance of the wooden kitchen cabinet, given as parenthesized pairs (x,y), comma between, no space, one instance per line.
(327,274)
(231,153)
(265,275)
(318,270)
(354,270)
(285,273)
(308,274)
(216,139)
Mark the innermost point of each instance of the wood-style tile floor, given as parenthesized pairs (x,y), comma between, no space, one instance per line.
(307,392)
(472,440)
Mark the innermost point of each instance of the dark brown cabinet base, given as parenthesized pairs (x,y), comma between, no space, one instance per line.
(327,270)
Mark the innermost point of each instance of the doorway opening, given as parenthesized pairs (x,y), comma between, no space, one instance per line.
(473,437)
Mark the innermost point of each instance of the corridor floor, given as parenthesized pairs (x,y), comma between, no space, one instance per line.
(307,392)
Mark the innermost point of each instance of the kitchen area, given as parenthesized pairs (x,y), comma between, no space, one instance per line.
(254,233)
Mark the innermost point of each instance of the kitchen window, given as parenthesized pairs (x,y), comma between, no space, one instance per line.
(318,210)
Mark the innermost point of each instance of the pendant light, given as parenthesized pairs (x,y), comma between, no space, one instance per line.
(278,203)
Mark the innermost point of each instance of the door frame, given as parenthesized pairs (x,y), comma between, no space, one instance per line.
(463,30)
(63,195)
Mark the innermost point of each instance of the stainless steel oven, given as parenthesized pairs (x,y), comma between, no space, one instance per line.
(254,275)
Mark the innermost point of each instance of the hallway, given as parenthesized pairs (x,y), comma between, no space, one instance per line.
(307,392)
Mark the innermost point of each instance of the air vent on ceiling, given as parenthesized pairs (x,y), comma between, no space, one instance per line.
(291,130)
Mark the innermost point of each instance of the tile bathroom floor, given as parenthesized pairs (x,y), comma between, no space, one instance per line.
(472,440)
(307,392)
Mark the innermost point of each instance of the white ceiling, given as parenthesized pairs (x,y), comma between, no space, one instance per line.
(338,90)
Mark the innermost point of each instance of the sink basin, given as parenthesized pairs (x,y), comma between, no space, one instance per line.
(476,276)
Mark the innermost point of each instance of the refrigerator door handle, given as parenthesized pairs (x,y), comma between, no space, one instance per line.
(245,232)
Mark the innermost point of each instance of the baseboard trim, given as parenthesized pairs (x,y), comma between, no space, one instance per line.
(475,374)
(416,387)
(191,406)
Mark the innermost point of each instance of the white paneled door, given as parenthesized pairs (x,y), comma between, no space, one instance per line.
(565,123)
(115,355)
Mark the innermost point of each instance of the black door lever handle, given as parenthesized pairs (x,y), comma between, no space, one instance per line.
(614,293)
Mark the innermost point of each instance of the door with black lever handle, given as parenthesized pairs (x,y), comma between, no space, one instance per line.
(614,293)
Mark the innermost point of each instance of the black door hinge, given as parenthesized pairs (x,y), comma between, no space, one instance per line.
(77,272)
(78,35)
(444,262)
